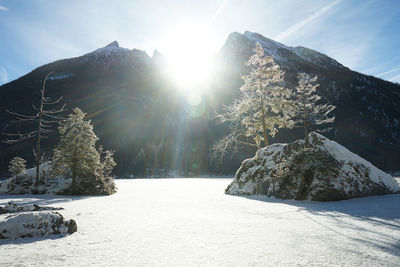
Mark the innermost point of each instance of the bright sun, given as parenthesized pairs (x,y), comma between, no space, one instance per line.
(189,50)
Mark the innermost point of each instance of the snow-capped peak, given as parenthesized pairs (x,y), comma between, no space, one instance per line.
(279,51)
(264,41)
(113,44)
(111,48)
(157,54)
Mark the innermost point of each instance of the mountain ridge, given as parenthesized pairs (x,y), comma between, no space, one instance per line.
(119,87)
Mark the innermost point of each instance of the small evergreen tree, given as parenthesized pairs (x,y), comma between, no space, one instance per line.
(261,107)
(76,156)
(307,112)
(107,161)
(17,166)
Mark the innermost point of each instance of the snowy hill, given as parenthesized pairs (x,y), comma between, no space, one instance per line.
(191,222)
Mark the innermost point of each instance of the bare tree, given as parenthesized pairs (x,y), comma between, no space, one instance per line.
(45,118)
(307,110)
(259,110)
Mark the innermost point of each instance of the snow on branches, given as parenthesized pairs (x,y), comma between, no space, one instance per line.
(306,110)
(259,110)
(266,104)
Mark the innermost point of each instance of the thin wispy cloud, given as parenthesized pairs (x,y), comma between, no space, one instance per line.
(297,26)
(3,75)
(388,72)
(218,11)
(359,34)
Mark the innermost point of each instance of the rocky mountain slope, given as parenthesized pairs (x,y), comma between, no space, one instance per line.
(137,112)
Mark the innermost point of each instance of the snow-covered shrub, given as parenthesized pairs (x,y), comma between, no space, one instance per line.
(17,166)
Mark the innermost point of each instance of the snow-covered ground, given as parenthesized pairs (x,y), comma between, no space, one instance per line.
(168,222)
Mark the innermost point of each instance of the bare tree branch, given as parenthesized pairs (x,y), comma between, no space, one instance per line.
(54,102)
(21,115)
(44,125)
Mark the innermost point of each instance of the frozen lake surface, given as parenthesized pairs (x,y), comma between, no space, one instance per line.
(184,222)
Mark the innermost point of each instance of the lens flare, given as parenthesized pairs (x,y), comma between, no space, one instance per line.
(189,51)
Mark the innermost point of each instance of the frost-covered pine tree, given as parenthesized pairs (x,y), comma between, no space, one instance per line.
(107,161)
(261,107)
(76,156)
(17,166)
(307,110)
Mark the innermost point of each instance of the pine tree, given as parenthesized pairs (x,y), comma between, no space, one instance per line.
(306,110)
(107,162)
(17,166)
(261,107)
(76,156)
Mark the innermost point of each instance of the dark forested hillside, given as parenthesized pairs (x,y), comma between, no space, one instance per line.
(137,112)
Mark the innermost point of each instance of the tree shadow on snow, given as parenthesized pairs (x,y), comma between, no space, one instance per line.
(383,211)
(41,200)
(28,240)
(374,209)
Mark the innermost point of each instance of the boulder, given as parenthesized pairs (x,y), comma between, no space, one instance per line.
(25,183)
(11,207)
(323,171)
(35,224)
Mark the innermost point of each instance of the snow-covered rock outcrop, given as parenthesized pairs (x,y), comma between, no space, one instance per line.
(34,224)
(25,183)
(324,171)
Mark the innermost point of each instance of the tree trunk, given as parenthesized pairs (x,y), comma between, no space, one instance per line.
(266,143)
(305,121)
(73,178)
(306,133)
(37,158)
(39,131)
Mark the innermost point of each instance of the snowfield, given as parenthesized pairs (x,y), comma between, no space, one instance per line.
(184,222)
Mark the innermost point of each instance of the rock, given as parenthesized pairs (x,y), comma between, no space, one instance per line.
(88,185)
(35,224)
(324,171)
(11,207)
(25,183)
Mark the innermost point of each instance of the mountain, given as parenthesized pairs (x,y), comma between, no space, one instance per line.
(137,112)
(368,108)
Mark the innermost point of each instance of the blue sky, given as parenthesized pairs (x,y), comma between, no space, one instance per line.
(363,35)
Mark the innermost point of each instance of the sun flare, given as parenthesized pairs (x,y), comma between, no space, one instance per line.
(189,51)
